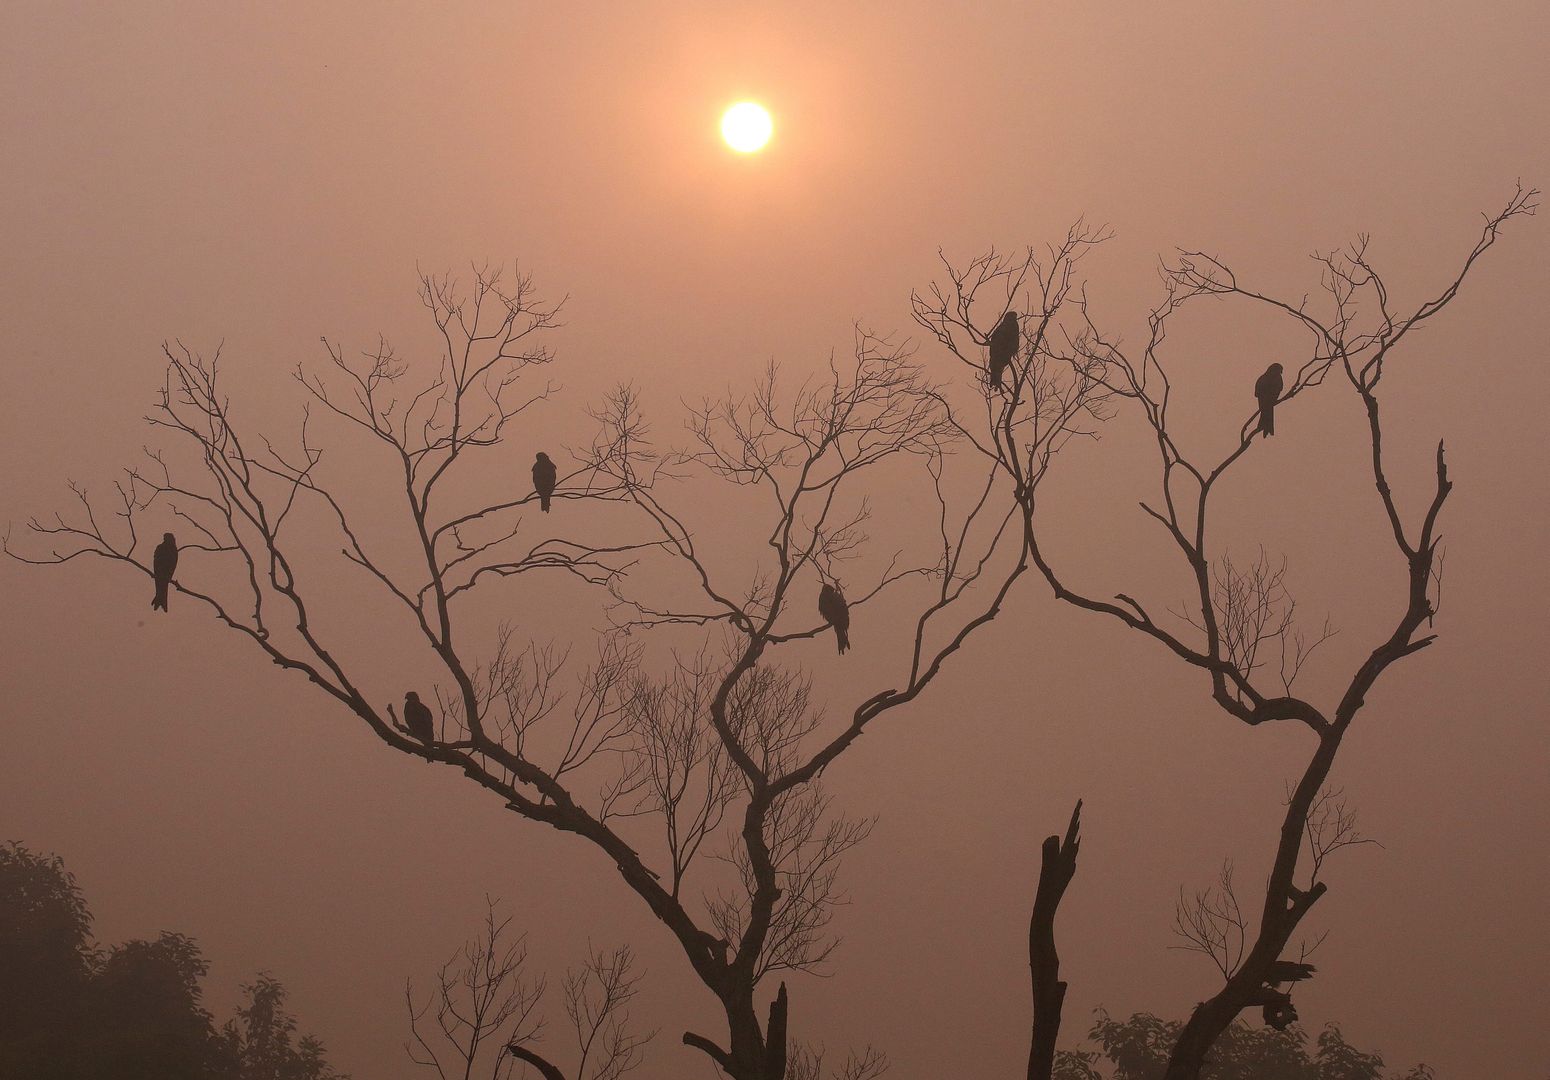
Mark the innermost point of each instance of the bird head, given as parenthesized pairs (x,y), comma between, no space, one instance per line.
(412,696)
(542,456)
(168,538)
(1276,368)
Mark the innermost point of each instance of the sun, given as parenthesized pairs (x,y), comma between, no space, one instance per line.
(746,127)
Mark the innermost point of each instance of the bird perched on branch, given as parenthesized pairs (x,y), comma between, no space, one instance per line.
(1267,389)
(417,718)
(835,612)
(544,477)
(1004,340)
(163,563)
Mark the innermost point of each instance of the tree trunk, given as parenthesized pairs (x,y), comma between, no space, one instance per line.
(1205,1026)
(1057,868)
(753,1056)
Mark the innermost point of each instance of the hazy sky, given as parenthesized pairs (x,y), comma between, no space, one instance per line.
(266,174)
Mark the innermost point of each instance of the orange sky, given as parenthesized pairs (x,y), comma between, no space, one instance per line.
(266,174)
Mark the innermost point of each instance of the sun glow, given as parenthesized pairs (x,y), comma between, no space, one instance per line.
(746,127)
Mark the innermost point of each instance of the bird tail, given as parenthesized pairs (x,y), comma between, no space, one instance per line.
(543,503)
(842,637)
(159,601)
(1267,422)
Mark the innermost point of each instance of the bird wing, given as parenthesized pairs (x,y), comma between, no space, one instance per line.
(826,604)
(1003,340)
(832,606)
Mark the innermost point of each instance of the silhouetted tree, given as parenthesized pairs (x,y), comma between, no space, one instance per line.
(261,1041)
(736,726)
(46,964)
(145,1014)
(506,721)
(809,1063)
(1238,617)
(129,1012)
(1139,1048)
(1057,866)
(484,1005)
(1076,1065)
(798,457)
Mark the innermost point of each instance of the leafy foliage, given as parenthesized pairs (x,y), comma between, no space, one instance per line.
(1138,1049)
(134,1011)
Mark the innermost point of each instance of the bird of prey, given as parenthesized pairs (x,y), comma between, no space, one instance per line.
(417,718)
(544,477)
(1004,340)
(163,563)
(1267,389)
(835,612)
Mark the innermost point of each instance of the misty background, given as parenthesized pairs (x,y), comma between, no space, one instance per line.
(261,176)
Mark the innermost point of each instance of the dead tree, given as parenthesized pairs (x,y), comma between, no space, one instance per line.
(276,543)
(1057,866)
(644,766)
(482,1017)
(1236,614)
(801,457)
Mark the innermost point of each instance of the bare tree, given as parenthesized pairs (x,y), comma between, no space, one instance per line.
(597,999)
(1057,866)
(721,755)
(483,1001)
(809,1063)
(801,457)
(1235,612)
(717,757)
(484,1004)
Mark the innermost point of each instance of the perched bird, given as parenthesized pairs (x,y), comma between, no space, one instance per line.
(163,563)
(417,718)
(1004,340)
(544,477)
(1267,389)
(835,612)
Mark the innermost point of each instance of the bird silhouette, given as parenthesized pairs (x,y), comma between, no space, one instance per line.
(163,563)
(1004,340)
(417,718)
(835,612)
(1267,388)
(544,477)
